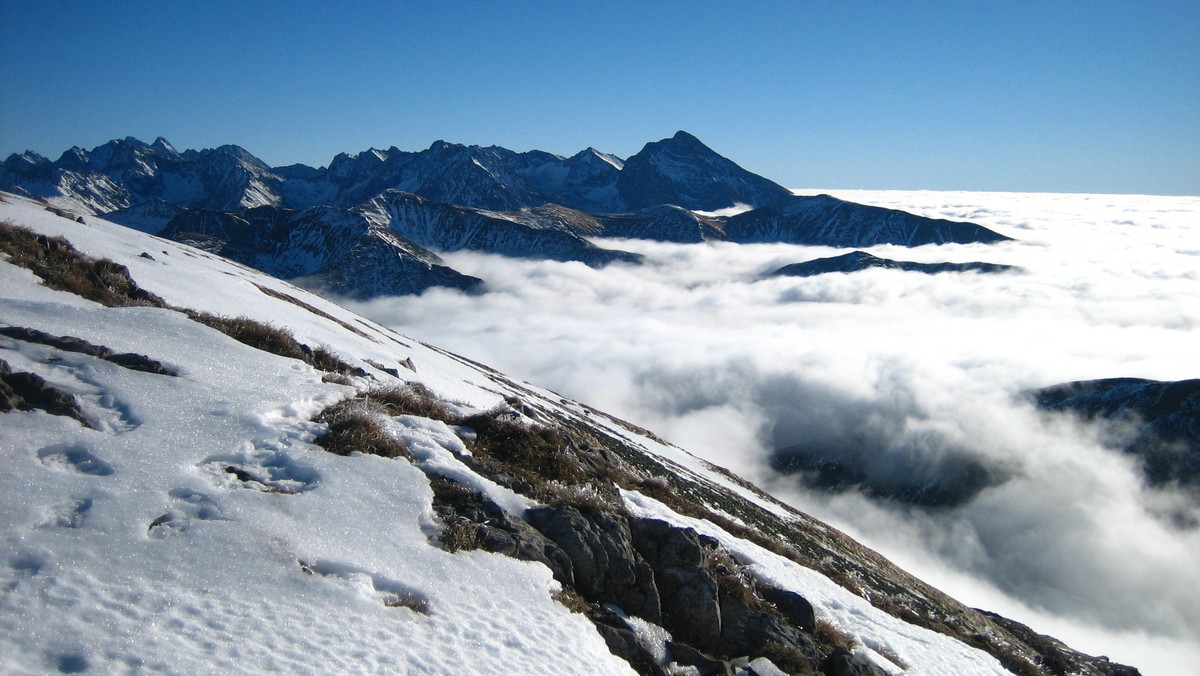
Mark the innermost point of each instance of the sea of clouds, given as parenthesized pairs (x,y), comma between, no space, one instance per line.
(905,376)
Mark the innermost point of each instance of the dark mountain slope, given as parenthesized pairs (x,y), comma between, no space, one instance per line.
(684,172)
(861,260)
(825,220)
(1159,422)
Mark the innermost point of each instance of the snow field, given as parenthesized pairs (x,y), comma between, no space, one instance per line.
(139,545)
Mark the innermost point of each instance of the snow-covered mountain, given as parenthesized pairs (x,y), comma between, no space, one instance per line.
(207,468)
(449,197)
(127,172)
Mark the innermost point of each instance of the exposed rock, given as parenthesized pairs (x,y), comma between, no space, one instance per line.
(686,655)
(1056,657)
(607,568)
(842,662)
(624,643)
(687,590)
(791,605)
(24,391)
(748,631)
(129,360)
(497,531)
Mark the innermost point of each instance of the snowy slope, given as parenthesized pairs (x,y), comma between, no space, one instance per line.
(140,543)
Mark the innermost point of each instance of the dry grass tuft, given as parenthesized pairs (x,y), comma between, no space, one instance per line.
(411,399)
(256,334)
(572,600)
(834,636)
(62,268)
(459,535)
(354,425)
(787,657)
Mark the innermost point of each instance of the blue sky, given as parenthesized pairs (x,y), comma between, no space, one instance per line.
(1041,96)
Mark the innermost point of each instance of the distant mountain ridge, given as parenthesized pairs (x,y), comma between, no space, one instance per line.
(1154,421)
(447,197)
(861,260)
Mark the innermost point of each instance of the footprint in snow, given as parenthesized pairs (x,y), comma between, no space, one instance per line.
(68,515)
(266,471)
(23,566)
(69,663)
(187,505)
(73,458)
(389,592)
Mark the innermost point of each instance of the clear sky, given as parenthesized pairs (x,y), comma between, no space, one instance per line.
(1097,96)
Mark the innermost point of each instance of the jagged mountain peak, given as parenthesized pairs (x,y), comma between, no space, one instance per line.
(239,153)
(27,158)
(441,145)
(683,171)
(163,145)
(458,187)
(590,154)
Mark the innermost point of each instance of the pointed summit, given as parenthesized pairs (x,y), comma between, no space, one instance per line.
(682,136)
(162,145)
(683,171)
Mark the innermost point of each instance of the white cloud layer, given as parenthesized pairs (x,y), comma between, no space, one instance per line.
(904,375)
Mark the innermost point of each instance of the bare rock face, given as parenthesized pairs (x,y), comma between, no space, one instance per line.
(842,662)
(23,391)
(607,568)
(794,607)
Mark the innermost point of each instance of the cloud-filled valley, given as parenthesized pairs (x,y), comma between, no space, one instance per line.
(910,380)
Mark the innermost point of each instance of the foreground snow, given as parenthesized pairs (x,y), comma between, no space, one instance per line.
(136,545)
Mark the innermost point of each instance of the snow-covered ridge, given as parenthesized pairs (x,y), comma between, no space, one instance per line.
(458,197)
(140,544)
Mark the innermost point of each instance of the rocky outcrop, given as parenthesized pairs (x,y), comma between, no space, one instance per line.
(689,593)
(129,360)
(646,568)
(1056,657)
(605,566)
(24,391)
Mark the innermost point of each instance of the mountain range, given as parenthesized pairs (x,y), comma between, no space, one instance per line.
(373,223)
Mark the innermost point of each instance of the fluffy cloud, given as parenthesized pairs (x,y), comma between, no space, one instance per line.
(907,377)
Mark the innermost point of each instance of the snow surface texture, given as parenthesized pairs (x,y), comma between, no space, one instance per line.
(139,545)
(132,547)
(698,344)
